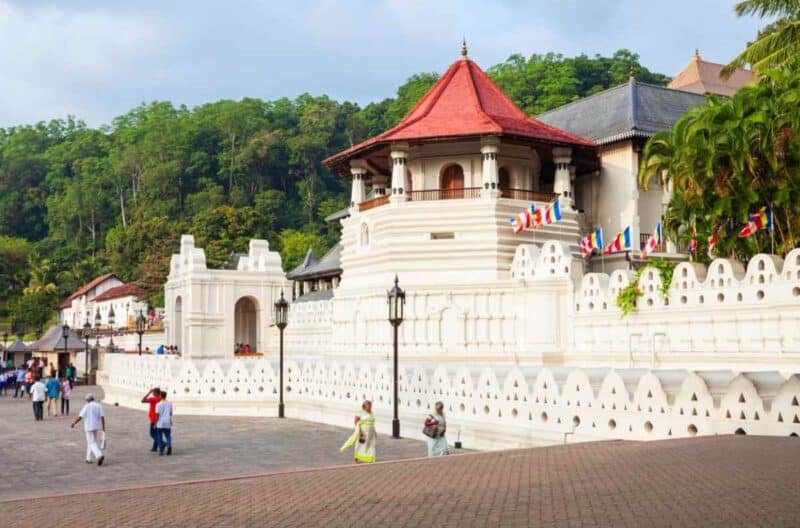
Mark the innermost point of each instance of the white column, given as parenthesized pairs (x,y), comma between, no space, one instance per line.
(399,156)
(357,194)
(562,184)
(490,177)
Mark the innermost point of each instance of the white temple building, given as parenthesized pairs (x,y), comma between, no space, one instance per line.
(517,334)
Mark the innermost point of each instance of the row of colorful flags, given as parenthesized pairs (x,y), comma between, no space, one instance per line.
(759,221)
(534,218)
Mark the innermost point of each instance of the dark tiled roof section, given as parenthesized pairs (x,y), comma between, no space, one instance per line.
(123,290)
(319,295)
(85,289)
(308,261)
(330,265)
(629,110)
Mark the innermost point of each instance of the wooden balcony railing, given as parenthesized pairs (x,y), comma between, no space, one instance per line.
(373,202)
(528,196)
(444,194)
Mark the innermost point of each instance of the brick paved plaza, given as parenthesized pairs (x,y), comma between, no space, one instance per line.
(47,457)
(709,481)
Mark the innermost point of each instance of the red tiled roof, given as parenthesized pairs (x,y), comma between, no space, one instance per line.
(465,102)
(123,290)
(85,289)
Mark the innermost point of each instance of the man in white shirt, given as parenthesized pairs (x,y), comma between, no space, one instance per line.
(38,393)
(93,422)
(164,424)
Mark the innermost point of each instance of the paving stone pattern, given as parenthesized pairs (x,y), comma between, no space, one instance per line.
(708,481)
(47,457)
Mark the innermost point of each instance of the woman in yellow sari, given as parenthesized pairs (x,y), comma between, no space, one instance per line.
(364,437)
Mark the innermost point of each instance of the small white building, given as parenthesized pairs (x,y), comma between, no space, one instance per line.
(102,296)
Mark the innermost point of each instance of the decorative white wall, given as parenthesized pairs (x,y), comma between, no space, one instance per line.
(488,407)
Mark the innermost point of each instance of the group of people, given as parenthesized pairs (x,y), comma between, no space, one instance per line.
(243,349)
(165,350)
(21,379)
(160,417)
(43,393)
(364,440)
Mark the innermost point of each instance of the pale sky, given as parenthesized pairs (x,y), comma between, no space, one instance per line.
(97,59)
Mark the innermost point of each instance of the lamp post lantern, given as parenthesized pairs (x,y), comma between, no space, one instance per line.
(281,320)
(111,326)
(87,331)
(396,300)
(65,335)
(140,325)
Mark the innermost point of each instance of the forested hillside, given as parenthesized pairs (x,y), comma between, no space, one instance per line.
(78,201)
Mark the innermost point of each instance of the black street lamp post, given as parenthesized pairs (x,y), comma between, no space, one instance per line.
(140,324)
(5,344)
(111,326)
(65,335)
(87,332)
(396,299)
(281,320)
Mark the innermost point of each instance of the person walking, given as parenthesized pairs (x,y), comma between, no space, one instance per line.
(66,392)
(152,398)
(73,374)
(20,387)
(53,388)
(94,421)
(164,424)
(363,438)
(38,395)
(435,428)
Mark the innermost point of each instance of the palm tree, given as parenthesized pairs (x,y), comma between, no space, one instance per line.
(778,44)
(729,158)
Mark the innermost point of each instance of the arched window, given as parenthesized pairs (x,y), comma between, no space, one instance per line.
(364,235)
(504,179)
(452,182)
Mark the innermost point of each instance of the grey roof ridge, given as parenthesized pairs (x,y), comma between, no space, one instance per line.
(613,88)
(634,104)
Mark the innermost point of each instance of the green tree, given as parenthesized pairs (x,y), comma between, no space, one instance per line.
(778,44)
(33,309)
(295,244)
(729,158)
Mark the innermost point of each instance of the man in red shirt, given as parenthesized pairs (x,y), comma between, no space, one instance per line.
(153,397)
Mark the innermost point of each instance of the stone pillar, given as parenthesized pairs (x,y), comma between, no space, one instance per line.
(399,156)
(357,194)
(490,177)
(562,184)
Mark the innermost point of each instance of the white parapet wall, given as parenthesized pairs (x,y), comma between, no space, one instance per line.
(488,407)
(748,319)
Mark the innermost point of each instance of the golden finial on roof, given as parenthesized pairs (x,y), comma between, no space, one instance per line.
(696,54)
(631,75)
(464,47)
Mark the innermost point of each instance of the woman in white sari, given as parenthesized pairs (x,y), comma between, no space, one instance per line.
(364,437)
(437,425)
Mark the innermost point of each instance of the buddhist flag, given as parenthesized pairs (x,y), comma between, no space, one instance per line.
(712,242)
(552,213)
(621,242)
(520,222)
(592,241)
(653,242)
(536,216)
(762,219)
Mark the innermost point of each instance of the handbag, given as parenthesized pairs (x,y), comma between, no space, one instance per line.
(430,430)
